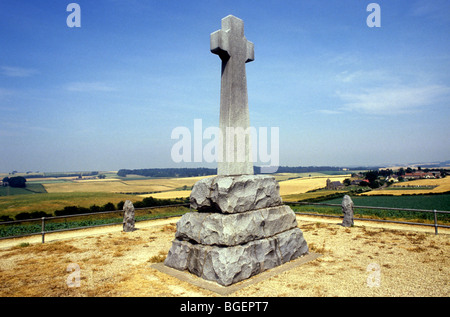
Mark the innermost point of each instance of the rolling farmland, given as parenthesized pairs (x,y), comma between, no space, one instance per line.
(415,187)
(122,186)
(50,194)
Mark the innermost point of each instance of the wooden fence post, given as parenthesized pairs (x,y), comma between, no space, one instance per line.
(43,229)
(435,222)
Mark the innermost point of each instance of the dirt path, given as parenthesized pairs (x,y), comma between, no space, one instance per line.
(369,259)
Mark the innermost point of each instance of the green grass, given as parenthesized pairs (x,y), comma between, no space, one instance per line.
(35,188)
(31,227)
(49,202)
(427,202)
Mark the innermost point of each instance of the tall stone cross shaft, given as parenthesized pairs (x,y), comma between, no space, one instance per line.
(234,155)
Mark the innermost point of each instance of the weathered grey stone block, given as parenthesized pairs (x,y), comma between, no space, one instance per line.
(228,265)
(128,216)
(347,209)
(234,229)
(234,194)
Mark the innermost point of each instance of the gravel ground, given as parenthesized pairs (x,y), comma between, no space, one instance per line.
(369,259)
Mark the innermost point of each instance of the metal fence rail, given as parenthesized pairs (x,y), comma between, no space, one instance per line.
(435,212)
(44,219)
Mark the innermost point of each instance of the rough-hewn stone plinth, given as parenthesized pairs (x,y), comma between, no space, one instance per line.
(242,229)
(233,194)
(233,229)
(228,265)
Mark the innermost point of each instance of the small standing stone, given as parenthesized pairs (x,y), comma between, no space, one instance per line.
(128,216)
(347,209)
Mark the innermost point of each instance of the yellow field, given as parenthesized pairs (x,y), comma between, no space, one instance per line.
(167,188)
(443,185)
(302,185)
(287,187)
(169,194)
(122,186)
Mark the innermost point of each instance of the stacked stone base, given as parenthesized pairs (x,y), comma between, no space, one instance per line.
(225,241)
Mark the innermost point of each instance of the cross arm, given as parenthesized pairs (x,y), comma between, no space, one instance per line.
(250,57)
(219,44)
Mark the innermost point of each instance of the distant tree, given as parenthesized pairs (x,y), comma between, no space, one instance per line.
(5,181)
(72,210)
(23,216)
(109,207)
(6,218)
(32,215)
(347,182)
(17,181)
(120,205)
(363,184)
(94,208)
(101,176)
(371,176)
(150,202)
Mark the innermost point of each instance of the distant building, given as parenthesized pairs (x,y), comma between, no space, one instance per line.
(392,178)
(420,174)
(334,185)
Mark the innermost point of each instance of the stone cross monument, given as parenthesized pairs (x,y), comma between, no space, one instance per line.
(234,50)
(240,227)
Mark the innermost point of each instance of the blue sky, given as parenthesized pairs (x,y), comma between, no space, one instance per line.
(107,95)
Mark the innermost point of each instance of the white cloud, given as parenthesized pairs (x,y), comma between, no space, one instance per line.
(394,100)
(17,71)
(88,87)
(367,77)
(328,112)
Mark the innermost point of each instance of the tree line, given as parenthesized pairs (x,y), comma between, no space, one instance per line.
(146,202)
(77,210)
(201,171)
(168,172)
(15,181)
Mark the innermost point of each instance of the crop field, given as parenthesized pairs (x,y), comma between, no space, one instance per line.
(312,196)
(305,184)
(427,202)
(419,186)
(292,186)
(50,194)
(30,189)
(33,226)
(122,186)
(172,194)
(13,205)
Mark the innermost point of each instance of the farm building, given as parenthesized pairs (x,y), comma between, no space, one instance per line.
(334,185)
(419,175)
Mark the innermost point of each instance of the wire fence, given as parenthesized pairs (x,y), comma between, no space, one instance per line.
(435,213)
(41,226)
